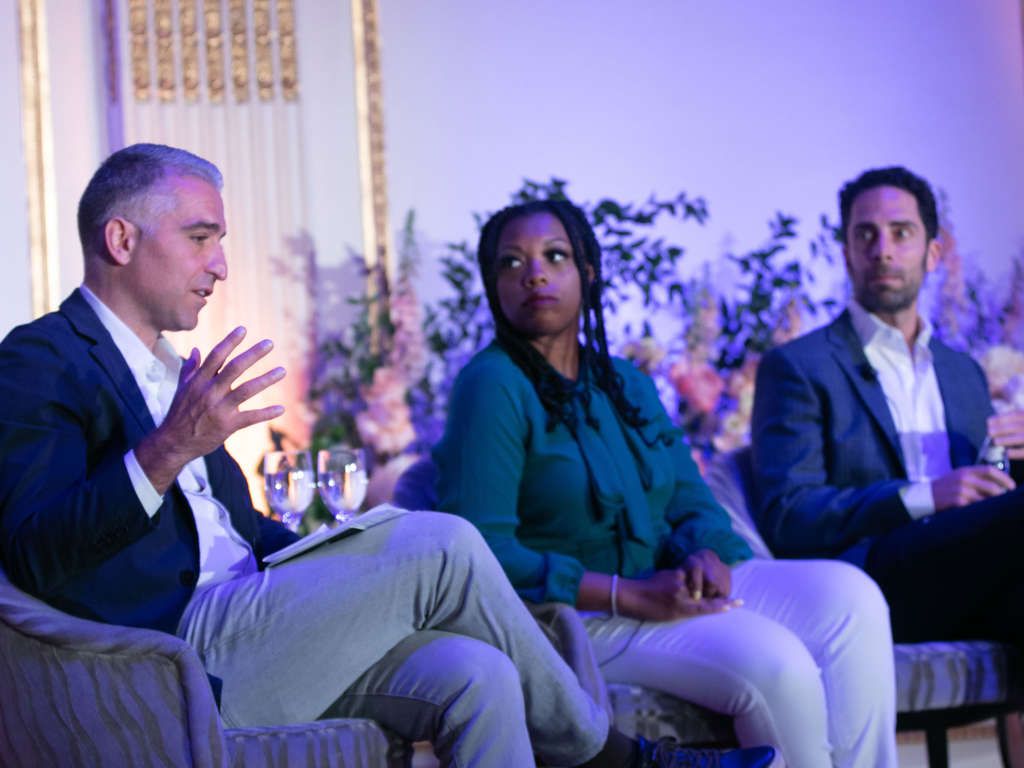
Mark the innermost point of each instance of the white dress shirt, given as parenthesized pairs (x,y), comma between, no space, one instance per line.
(223,553)
(907,376)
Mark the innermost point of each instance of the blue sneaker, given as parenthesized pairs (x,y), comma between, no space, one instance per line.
(667,753)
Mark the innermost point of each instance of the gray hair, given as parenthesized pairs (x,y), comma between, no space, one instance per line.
(124,182)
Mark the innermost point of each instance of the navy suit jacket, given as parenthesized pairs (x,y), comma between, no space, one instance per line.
(827,458)
(72,529)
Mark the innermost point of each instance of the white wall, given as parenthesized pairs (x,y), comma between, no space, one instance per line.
(16,285)
(756,106)
(330,148)
(327,92)
(77,81)
(75,76)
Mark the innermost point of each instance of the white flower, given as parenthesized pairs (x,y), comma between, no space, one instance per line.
(386,424)
(1002,364)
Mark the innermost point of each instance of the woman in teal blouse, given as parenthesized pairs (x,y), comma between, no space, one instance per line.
(567,462)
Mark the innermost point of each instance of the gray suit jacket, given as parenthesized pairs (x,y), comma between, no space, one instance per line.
(827,458)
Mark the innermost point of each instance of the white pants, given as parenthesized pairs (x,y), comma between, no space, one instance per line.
(805,665)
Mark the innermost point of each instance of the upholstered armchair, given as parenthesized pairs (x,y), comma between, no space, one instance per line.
(80,693)
(939,685)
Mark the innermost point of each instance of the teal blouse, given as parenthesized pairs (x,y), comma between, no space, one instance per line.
(527,490)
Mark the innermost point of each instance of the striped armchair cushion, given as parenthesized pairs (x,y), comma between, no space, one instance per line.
(79,693)
(929,676)
(941,675)
(343,743)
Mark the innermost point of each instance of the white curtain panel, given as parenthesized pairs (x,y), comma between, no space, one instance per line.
(219,78)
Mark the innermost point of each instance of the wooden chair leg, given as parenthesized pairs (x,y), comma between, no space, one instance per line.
(937,746)
(1010,730)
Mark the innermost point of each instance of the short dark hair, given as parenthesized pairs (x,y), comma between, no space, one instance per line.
(554,391)
(893,176)
(126,178)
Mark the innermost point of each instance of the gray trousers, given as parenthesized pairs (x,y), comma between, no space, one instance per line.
(411,623)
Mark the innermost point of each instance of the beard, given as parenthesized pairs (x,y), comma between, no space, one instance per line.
(890,298)
(886,299)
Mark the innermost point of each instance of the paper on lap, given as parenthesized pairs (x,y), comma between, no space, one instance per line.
(323,534)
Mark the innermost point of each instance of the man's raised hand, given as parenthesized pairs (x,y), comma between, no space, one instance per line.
(206,409)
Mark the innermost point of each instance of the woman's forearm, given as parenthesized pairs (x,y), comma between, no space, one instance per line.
(595,593)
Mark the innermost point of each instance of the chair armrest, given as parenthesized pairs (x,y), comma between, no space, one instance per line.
(730,478)
(80,692)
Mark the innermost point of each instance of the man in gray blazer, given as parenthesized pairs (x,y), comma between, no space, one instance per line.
(866,437)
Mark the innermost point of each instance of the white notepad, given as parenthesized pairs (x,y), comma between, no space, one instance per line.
(323,534)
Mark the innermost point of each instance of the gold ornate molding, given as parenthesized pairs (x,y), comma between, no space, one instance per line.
(37,130)
(138,29)
(264,53)
(370,127)
(239,50)
(286,50)
(163,25)
(188,18)
(156,42)
(214,24)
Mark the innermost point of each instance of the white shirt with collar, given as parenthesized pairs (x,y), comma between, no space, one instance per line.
(223,553)
(907,376)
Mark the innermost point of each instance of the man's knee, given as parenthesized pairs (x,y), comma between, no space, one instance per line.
(483,673)
(451,533)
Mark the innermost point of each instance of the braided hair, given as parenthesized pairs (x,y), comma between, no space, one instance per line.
(554,390)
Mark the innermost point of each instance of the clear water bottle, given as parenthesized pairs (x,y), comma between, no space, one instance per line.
(993,455)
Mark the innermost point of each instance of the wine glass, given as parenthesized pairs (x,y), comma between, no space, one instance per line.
(341,480)
(288,484)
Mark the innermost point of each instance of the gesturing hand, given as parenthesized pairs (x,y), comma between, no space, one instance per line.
(666,596)
(706,575)
(969,484)
(1007,429)
(206,409)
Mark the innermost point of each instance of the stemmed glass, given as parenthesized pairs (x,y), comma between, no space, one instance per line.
(288,484)
(341,480)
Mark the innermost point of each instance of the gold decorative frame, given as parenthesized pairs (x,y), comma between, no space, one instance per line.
(138,29)
(214,25)
(163,26)
(370,129)
(286,43)
(37,129)
(238,24)
(261,33)
(188,18)
(176,45)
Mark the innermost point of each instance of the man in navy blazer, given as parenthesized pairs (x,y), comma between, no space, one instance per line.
(866,437)
(82,543)
(119,503)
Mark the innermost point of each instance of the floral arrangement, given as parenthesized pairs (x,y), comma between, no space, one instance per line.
(383,383)
(363,376)
(987,321)
(710,375)
(700,346)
